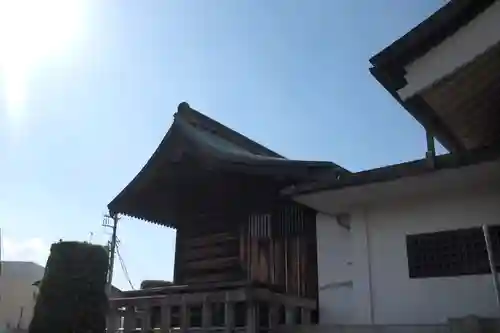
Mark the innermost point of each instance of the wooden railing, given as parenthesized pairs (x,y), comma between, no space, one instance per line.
(233,308)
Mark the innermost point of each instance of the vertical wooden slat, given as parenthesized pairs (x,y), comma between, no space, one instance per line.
(259,225)
(292,265)
(249,251)
(272,268)
(299,271)
(286,263)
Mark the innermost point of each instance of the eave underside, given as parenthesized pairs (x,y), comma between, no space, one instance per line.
(468,101)
(437,108)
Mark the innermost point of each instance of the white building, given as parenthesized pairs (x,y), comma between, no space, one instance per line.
(403,244)
(17,293)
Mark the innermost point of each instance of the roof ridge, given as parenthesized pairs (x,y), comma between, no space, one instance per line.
(198,119)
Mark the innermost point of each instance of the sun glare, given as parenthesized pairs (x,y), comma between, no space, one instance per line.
(32,31)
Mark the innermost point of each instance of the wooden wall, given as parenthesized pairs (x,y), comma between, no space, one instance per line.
(207,251)
(277,248)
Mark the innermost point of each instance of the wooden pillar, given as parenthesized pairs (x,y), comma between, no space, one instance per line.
(206,315)
(129,319)
(305,316)
(113,320)
(229,316)
(251,318)
(274,316)
(184,316)
(165,318)
(289,316)
(146,319)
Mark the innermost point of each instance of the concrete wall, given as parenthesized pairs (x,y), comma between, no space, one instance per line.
(466,44)
(17,291)
(373,256)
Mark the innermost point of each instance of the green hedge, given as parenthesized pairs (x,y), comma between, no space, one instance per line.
(72,295)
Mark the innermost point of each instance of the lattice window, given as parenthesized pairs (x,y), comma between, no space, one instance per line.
(290,221)
(260,225)
(451,253)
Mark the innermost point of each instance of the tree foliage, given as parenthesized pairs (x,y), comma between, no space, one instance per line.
(72,297)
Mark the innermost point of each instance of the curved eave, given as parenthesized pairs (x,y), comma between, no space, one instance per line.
(209,150)
(141,177)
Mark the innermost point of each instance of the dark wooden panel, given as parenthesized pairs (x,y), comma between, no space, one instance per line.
(212,263)
(207,253)
(209,239)
(216,251)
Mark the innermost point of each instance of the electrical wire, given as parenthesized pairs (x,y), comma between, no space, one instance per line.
(124,268)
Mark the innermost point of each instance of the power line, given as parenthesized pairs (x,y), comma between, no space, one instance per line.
(124,268)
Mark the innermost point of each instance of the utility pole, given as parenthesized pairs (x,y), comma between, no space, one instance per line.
(112,246)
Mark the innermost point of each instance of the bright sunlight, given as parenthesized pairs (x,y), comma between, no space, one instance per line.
(32,31)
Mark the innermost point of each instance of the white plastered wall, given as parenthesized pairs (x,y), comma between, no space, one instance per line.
(375,248)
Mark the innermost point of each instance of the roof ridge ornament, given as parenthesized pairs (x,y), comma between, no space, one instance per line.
(184,106)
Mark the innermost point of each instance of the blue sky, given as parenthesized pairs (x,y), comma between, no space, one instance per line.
(292,75)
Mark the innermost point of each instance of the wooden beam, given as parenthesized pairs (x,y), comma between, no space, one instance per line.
(273,316)
(165,318)
(185,322)
(238,295)
(129,319)
(305,316)
(251,317)
(206,314)
(229,315)
(146,318)
(113,321)
(290,316)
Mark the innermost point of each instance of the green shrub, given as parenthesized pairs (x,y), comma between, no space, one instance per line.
(72,295)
